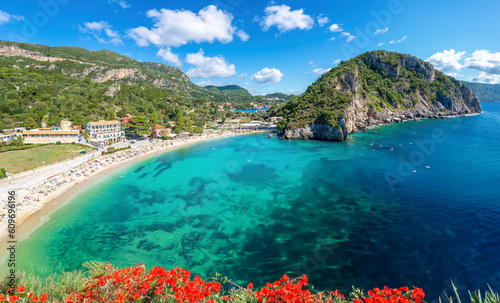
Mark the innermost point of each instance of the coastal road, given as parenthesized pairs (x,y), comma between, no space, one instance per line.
(42,173)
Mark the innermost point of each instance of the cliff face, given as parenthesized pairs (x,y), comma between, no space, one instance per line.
(110,67)
(371,89)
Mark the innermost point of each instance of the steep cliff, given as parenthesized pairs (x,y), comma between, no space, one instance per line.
(374,88)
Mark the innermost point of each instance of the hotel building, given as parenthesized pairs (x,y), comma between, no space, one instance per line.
(102,132)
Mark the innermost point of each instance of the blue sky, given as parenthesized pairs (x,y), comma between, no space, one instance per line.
(267,46)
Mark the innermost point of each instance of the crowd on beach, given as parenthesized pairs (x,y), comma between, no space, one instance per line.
(33,196)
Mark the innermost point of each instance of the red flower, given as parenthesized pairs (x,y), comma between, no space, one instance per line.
(417,294)
(44,297)
(21,288)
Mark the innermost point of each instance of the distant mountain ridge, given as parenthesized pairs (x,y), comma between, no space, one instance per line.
(485,92)
(280,96)
(231,89)
(377,87)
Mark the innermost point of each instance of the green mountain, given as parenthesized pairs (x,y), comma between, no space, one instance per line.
(376,87)
(280,96)
(50,84)
(231,89)
(485,92)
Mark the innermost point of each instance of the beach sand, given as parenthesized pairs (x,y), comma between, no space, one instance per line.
(34,214)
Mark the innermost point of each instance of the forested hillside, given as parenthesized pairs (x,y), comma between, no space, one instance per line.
(50,84)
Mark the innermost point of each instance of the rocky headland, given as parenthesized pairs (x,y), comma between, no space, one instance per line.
(374,88)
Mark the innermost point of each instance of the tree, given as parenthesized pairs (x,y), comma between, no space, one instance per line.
(154,117)
(282,124)
(8,121)
(179,119)
(30,123)
(110,115)
(139,125)
(17,141)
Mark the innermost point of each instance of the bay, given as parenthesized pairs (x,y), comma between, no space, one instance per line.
(365,212)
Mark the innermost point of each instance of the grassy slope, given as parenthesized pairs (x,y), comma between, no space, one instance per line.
(22,160)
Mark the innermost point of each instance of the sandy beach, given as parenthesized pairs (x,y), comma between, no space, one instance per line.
(35,201)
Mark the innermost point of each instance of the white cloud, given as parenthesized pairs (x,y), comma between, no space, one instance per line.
(400,40)
(348,35)
(209,67)
(335,28)
(320,71)
(242,76)
(285,19)
(179,27)
(6,17)
(484,77)
(122,3)
(312,64)
(336,61)
(242,35)
(268,75)
(204,83)
(322,20)
(380,44)
(447,60)
(485,61)
(167,55)
(96,28)
(331,39)
(455,75)
(381,31)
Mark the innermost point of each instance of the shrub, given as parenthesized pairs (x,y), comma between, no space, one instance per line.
(105,283)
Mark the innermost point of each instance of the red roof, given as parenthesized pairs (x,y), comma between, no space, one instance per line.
(158,126)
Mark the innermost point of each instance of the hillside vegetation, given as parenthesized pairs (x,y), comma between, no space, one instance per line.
(231,89)
(373,88)
(50,84)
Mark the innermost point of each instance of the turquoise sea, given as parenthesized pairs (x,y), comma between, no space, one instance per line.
(253,208)
(252,111)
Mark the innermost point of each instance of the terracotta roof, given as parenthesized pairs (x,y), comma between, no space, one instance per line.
(104,122)
(158,126)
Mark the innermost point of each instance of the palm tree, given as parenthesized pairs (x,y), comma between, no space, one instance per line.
(17,141)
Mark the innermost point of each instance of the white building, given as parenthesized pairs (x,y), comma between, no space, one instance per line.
(102,132)
(7,137)
(50,136)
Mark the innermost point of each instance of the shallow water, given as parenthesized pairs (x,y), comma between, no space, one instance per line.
(351,213)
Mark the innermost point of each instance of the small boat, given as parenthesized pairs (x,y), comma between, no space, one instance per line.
(427,167)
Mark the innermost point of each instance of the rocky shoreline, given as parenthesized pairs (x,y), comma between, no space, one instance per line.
(327,133)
